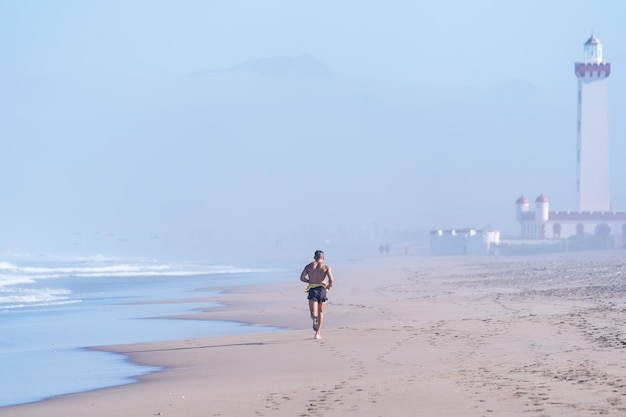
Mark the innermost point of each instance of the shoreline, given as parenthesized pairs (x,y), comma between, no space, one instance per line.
(442,336)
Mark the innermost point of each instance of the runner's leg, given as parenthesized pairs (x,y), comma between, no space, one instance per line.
(314,307)
(320,314)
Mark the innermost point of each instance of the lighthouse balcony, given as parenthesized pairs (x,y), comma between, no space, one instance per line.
(584,69)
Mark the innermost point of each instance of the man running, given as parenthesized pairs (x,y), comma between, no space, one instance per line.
(317,272)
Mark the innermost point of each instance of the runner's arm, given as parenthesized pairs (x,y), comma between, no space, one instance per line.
(329,273)
(303,277)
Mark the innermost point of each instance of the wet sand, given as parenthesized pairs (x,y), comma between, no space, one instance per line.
(403,336)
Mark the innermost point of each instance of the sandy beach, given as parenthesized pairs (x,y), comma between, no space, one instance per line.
(403,336)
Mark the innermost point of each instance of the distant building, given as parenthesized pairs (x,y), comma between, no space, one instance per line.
(464,242)
(541,223)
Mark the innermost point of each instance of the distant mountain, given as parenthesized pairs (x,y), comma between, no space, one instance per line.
(303,66)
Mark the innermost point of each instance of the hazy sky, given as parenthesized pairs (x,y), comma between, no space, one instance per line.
(105,133)
(447,42)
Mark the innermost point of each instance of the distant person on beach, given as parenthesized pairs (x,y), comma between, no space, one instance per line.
(317,272)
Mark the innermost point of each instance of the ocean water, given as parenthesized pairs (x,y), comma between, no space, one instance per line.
(51,310)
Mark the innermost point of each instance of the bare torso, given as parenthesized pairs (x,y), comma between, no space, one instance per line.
(317,272)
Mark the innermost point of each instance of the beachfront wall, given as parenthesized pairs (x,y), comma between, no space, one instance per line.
(586,229)
(568,223)
(544,224)
(463,242)
(561,224)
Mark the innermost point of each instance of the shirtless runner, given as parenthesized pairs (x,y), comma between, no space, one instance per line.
(317,272)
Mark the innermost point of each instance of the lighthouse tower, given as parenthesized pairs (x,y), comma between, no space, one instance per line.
(593,179)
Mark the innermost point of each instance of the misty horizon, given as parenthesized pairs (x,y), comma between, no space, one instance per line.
(283,148)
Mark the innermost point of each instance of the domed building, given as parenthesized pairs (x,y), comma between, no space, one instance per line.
(541,223)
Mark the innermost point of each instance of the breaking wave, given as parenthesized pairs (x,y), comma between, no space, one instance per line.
(21,283)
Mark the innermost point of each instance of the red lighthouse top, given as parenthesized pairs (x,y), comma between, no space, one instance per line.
(541,199)
(584,70)
(522,200)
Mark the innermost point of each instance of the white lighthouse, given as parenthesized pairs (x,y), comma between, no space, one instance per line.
(594,225)
(592,131)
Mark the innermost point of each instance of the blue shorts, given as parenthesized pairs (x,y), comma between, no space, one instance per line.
(318,294)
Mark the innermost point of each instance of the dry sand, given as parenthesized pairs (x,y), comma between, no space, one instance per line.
(404,336)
